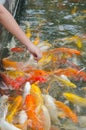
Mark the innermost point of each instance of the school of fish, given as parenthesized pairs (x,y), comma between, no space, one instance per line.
(28,100)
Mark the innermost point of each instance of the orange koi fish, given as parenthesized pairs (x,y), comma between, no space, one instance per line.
(30,108)
(67,111)
(14,83)
(64,50)
(7,63)
(72,73)
(17,49)
(37,75)
(13,108)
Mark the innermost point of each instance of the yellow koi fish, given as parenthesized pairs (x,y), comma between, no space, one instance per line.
(36,92)
(74,10)
(36,41)
(13,108)
(75,99)
(75,39)
(66,82)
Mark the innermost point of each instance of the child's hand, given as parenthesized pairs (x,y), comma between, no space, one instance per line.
(35,51)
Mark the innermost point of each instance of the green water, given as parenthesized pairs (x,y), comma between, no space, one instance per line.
(53,19)
(57,19)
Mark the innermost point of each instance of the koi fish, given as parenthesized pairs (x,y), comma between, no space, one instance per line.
(80,18)
(64,50)
(30,108)
(37,72)
(26,90)
(76,39)
(71,73)
(36,41)
(74,10)
(68,112)
(36,92)
(28,32)
(14,74)
(44,45)
(17,49)
(7,63)
(13,108)
(45,60)
(75,99)
(4,125)
(46,118)
(13,83)
(37,75)
(49,102)
(66,82)
(22,117)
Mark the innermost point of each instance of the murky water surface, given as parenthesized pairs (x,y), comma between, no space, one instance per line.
(55,20)
(62,24)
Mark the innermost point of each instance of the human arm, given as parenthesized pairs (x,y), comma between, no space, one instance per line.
(7,20)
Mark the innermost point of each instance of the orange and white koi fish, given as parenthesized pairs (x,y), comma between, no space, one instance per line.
(67,111)
(80,101)
(13,108)
(49,102)
(34,119)
(40,109)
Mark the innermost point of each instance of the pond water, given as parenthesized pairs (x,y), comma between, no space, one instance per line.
(56,21)
(61,23)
